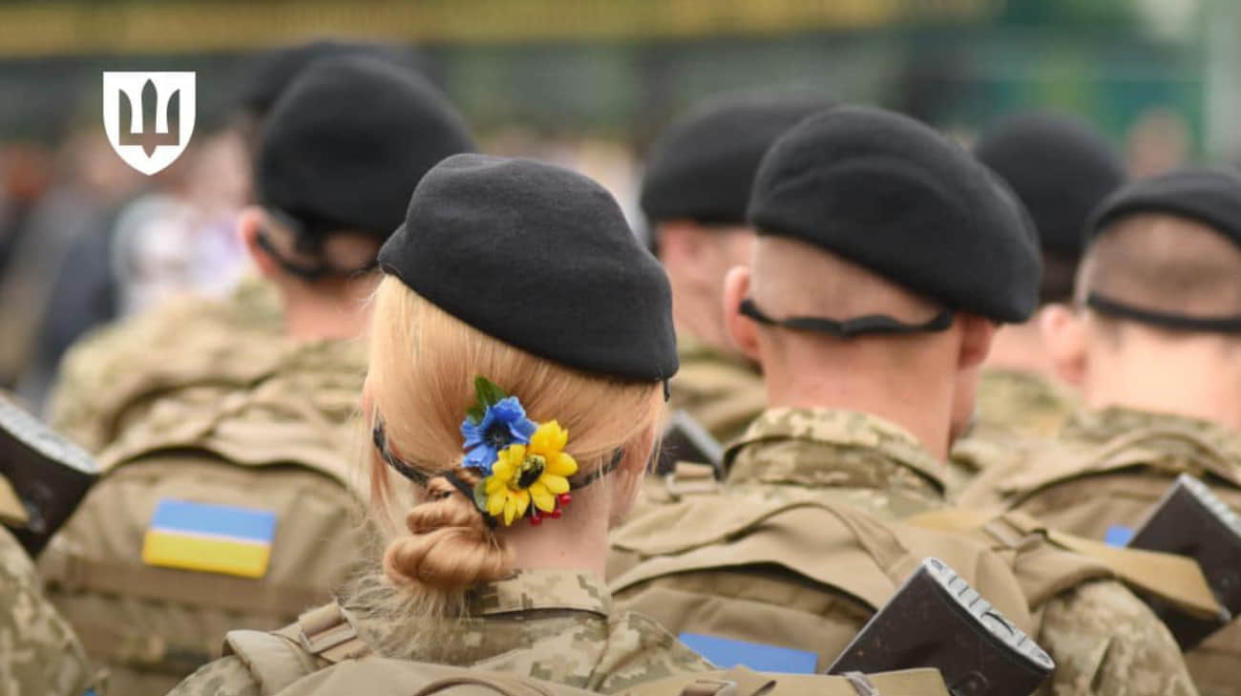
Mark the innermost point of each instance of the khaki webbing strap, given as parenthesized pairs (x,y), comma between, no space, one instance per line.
(1174,579)
(1177,580)
(689,479)
(274,662)
(742,682)
(327,633)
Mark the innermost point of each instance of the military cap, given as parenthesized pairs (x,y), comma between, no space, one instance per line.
(1206,195)
(346,144)
(273,71)
(900,199)
(1059,168)
(702,167)
(540,258)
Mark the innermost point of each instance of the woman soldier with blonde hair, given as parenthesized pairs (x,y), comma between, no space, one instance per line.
(519,348)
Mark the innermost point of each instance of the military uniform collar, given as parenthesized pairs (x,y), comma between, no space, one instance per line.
(832,447)
(1102,425)
(543,588)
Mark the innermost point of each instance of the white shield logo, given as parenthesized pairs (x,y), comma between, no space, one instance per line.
(127,96)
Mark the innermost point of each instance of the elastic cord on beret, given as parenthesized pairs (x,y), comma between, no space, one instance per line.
(540,258)
(892,195)
(1166,320)
(870,324)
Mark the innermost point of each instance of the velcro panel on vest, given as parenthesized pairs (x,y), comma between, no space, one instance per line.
(830,544)
(913,682)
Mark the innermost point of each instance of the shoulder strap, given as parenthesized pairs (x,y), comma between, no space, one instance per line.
(1175,579)
(860,555)
(742,682)
(321,637)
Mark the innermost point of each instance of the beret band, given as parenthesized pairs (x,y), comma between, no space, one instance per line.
(540,258)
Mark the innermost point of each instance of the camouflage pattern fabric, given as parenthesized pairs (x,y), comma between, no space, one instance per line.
(555,625)
(192,344)
(877,466)
(1105,641)
(283,443)
(1024,403)
(39,654)
(1109,467)
(724,393)
(849,456)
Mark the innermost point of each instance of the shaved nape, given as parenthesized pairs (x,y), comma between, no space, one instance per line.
(1164,263)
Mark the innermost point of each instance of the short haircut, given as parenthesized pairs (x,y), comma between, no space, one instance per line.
(1164,263)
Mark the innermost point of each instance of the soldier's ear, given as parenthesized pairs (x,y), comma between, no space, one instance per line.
(249,227)
(1064,337)
(976,335)
(741,329)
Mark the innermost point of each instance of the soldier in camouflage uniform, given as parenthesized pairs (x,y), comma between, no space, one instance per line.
(107,378)
(863,418)
(245,428)
(460,585)
(694,195)
(39,653)
(1152,343)
(1060,169)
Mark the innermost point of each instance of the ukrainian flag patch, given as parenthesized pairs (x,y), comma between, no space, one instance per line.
(210,538)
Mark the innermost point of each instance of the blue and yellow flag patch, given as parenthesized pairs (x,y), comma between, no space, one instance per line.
(210,538)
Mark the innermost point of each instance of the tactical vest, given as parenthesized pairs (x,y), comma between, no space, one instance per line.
(1118,483)
(321,655)
(804,575)
(208,519)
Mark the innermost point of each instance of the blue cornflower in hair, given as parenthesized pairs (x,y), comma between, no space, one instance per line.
(502,423)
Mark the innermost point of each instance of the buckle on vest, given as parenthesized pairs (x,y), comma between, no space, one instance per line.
(711,687)
(324,628)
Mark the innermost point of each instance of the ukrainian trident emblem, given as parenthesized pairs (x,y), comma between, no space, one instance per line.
(149,116)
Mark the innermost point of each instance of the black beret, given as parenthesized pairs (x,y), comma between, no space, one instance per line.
(1059,168)
(894,196)
(347,143)
(273,71)
(540,258)
(702,167)
(1206,195)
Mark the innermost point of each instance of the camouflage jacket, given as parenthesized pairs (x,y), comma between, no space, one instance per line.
(1110,467)
(1104,640)
(1025,403)
(722,392)
(191,344)
(839,455)
(39,654)
(555,625)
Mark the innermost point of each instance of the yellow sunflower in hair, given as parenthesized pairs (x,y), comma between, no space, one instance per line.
(536,473)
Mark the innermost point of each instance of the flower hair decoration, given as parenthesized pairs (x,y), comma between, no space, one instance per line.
(524,468)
